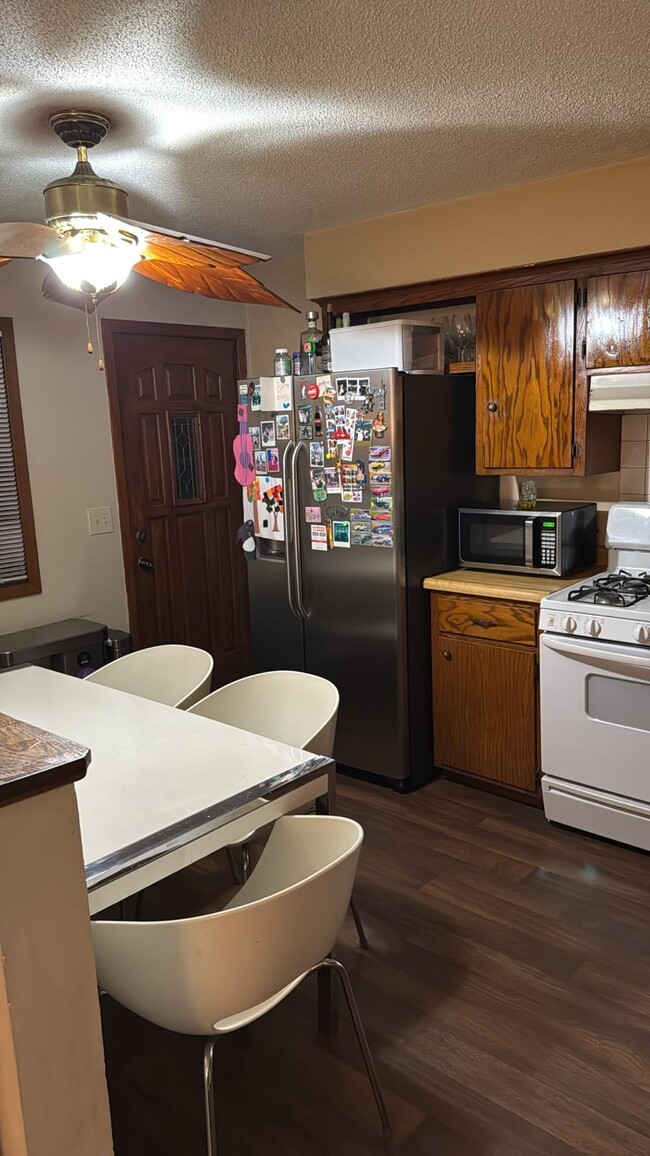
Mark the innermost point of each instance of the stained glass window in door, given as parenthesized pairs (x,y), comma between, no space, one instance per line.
(186,465)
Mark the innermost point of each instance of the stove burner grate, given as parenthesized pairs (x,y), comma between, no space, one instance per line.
(619,589)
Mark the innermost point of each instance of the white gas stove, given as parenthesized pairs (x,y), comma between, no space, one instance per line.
(595,690)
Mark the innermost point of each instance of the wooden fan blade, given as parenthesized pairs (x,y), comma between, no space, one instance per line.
(168,245)
(24,239)
(54,290)
(5,260)
(220,283)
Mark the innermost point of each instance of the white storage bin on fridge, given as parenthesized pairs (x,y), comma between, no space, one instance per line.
(384,344)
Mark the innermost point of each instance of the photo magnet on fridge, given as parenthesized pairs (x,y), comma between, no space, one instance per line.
(282,430)
(379,426)
(255,436)
(363,428)
(306,433)
(379,453)
(381,505)
(332,480)
(316,454)
(260,461)
(360,536)
(319,485)
(255,396)
(341,388)
(312,514)
(273,461)
(341,534)
(268,433)
(304,415)
(351,496)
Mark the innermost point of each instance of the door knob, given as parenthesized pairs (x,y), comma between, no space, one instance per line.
(141,536)
(146,564)
(492,406)
(447,654)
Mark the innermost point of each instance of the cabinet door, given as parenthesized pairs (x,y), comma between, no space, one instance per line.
(525,344)
(618,320)
(485,710)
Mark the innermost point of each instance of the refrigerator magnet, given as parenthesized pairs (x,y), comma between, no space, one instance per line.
(304,415)
(352,496)
(272,461)
(282,430)
(319,485)
(341,388)
(381,505)
(255,396)
(255,436)
(316,454)
(306,433)
(282,393)
(319,537)
(347,450)
(268,433)
(341,534)
(360,536)
(361,473)
(379,453)
(379,426)
(332,480)
(312,514)
(318,422)
(260,461)
(329,393)
(362,430)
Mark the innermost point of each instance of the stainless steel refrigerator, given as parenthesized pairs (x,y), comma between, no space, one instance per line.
(371,469)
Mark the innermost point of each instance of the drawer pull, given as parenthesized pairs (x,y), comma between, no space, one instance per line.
(486,623)
(447,654)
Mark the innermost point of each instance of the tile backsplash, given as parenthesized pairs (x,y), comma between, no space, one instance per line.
(631,484)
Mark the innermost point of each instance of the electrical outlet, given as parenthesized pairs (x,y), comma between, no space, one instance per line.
(100,520)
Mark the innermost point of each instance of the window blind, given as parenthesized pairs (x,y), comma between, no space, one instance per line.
(13,565)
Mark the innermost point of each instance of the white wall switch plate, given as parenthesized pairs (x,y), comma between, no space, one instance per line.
(100,520)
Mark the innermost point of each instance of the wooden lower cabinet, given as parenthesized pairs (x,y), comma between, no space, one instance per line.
(485,699)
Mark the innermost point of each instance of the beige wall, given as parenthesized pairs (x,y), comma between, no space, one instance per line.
(67,432)
(587,212)
(271,329)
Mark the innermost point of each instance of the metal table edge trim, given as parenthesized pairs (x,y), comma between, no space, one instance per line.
(185,831)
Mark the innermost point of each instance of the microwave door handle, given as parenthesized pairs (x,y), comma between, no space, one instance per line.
(595,655)
(528,541)
(288,529)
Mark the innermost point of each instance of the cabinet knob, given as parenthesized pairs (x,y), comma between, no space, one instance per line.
(447,654)
(492,406)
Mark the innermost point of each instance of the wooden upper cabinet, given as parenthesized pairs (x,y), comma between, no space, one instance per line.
(618,320)
(525,347)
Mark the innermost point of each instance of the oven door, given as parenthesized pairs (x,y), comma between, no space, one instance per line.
(595,714)
(498,541)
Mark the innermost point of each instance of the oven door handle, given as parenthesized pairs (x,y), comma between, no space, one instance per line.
(596,654)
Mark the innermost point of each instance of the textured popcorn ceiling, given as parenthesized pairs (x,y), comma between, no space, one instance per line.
(255,121)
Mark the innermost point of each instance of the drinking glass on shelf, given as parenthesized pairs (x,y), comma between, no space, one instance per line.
(450,344)
(527,494)
(462,333)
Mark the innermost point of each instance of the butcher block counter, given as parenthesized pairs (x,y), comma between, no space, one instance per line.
(485,667)
(490,584)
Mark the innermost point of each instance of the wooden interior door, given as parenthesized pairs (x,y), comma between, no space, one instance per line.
(484,710)
(525,346)
(618,320)
(173,392)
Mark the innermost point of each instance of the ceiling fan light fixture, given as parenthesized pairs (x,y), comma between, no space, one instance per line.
(101,264)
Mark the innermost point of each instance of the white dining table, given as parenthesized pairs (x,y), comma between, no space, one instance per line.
(164,787)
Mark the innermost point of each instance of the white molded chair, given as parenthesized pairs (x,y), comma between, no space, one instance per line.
(174,675)
(289,706)
(212,974)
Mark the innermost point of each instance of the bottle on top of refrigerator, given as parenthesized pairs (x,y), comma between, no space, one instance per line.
(310,340)
(296,364)
(282,363)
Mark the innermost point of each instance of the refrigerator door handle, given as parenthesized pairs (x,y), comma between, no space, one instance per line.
(288,527)
(304,613)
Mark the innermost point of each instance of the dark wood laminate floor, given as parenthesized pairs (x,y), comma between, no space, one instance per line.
(506,997)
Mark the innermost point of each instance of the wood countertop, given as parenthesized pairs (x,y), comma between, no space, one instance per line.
(490,584)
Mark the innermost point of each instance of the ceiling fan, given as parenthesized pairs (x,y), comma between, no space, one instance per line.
(91,245)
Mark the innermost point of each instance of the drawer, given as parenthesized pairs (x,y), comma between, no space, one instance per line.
(485,618)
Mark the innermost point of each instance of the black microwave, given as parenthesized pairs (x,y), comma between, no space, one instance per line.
(553,538)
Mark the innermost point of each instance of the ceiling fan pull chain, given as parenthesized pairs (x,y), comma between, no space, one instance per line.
(100,347)
(89,346)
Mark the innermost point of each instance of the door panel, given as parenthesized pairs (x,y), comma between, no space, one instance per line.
(175,405)
(525,377)
(618,320)
(484,710)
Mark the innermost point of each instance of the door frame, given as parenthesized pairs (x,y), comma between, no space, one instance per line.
(112,328)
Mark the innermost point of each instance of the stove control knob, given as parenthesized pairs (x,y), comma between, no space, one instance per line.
(593,627)
(569,624)
(642,633)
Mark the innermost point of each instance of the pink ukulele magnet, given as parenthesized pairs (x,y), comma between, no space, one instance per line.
(242,448)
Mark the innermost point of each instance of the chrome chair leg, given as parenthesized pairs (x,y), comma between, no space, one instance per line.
(363,942)
(233,865)
(208,1093)
(245,861)
(362,1040)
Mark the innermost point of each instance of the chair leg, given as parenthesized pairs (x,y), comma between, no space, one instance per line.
(363,942)
(362,1041)
(245,861)
(233,865)
(208,1094)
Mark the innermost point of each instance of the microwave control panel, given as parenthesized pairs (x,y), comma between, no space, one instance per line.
(549,543)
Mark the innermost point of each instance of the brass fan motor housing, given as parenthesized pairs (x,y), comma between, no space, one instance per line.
(83,192)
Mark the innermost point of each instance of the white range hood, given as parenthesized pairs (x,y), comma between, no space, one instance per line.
(620,392)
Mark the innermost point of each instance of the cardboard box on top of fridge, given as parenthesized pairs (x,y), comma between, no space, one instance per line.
(384,344)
